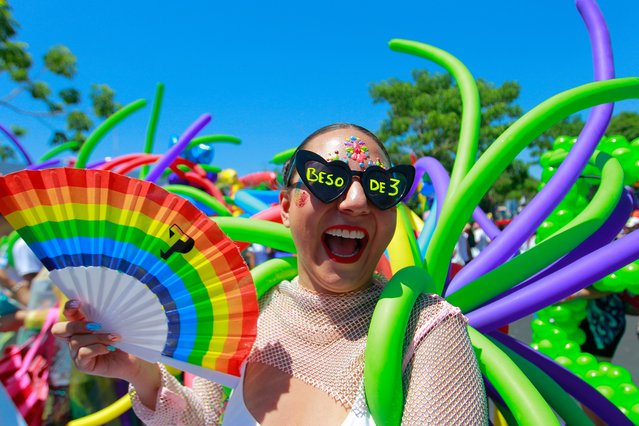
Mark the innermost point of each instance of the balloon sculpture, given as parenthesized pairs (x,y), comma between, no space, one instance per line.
(576,244)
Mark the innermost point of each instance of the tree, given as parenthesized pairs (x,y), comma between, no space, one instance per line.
(425,116)
(625,123)
(18,65)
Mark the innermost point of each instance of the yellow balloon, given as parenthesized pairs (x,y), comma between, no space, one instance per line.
(105,415)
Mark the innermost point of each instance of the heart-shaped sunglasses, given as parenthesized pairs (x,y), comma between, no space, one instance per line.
(329,180)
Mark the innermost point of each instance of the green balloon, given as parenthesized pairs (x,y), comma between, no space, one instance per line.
(577,305)
(522,398)
(629,274)
(634,414)
(545,230)
(548,347)
(558,336)
(564,361)
(594,378)
(614,142)
(586,362)
(606,391)
(564,142)
(383,374)
(556,397)
(262,232)
(561,217)
(538,325)
(548,173)
(618,374)
(578,335)
(611,283)
(544,159)
(605,366)
(272,272)
(571,349)
(628,394)
(282,157)
(560,313)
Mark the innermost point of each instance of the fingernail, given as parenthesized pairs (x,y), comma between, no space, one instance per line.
(72,304)
(111,348)
(114,337)
(93,326)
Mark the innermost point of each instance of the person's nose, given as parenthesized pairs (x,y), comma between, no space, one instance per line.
(355,202)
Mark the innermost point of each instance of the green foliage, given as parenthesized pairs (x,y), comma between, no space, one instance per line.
(59,61)
(425,115)
(7,23)
(625,123)
(18,131)
(102,97)
(13,56)
(39,90)
(78,121)
(70,96)
(6,153)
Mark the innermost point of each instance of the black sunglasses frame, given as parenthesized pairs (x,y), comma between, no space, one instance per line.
(302,157)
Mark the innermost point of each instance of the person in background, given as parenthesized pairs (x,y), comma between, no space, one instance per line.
(462,253)
(481,239)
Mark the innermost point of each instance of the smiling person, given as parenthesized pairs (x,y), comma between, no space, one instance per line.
(306,366)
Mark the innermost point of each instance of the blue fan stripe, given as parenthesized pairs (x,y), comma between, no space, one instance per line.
(176,300)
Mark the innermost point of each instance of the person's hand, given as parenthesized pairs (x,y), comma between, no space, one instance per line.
(92,349)
(5,281)
(12,321)
(586,293)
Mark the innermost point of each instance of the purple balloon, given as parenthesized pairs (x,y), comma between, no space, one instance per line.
(16,142)
(566,175)
(97,163)
(44,165)
(605,234)
(439,176)
(176,149)
(558,285)
(574,385)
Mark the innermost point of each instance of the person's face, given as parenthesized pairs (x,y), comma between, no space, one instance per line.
(338,244)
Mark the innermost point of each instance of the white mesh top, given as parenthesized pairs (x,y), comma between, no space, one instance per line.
(320,340)
(236,412)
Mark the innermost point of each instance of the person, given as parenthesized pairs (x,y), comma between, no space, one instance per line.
(257,254)
(463,249)
(17,280)
(481,239)
(306,366)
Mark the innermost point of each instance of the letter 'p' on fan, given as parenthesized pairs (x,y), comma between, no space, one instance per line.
(145,264)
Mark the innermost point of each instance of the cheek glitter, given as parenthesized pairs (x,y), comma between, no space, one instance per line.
(301,197)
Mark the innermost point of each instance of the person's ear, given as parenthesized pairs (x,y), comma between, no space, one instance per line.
(285,204)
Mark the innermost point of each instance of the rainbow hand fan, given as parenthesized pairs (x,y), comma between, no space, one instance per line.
(145,263)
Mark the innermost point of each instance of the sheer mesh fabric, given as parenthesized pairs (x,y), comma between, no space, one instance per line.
(442,382)
(320,340)
(179,405)
(317,338)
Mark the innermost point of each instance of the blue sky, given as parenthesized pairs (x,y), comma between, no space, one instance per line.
(272,72)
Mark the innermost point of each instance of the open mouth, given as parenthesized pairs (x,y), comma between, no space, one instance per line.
(344,244)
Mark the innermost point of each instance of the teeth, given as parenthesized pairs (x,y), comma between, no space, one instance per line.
(345,233)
